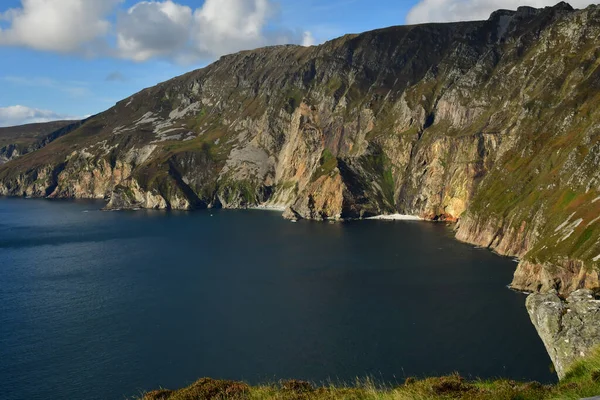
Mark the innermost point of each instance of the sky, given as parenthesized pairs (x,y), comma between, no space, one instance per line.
(68,59)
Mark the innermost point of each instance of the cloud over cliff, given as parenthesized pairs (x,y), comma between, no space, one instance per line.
(20,115)
(146,30)
(182,33)
(471,10)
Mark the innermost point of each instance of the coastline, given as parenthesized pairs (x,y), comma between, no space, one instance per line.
(395,217)
(268,208)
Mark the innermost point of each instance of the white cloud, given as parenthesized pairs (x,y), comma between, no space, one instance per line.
(308,39)
(469,10)
(151,29)
(227,26)
(166,29)
(148,29)
(20,115)
(57,25)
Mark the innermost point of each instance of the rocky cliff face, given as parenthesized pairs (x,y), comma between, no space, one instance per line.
(570,328)
(495,124)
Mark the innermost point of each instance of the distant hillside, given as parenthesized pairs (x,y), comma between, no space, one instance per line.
(18,140)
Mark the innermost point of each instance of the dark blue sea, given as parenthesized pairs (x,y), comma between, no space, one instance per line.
(104,305)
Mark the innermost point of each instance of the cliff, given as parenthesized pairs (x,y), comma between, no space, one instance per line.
(494,124)
(570,329)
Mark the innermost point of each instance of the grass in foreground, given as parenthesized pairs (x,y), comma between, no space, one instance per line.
(583,380)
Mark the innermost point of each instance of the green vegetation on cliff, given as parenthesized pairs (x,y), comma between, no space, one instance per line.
(583,380)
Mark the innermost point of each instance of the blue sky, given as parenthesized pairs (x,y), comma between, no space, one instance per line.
(53,67)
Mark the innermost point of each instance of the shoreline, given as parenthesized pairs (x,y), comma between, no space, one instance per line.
(268,208)
(395,217)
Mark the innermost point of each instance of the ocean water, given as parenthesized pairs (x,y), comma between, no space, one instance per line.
(104,305)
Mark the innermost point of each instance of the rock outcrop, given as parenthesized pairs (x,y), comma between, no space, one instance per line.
(569,329)
(566,278)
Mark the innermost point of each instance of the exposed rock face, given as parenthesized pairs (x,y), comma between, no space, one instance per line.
(9,152)
(569,329)
(566,278)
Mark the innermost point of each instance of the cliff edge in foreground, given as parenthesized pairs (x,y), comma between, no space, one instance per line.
(582,381)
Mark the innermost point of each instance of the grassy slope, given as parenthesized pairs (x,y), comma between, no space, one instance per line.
(583,380)
(26,135)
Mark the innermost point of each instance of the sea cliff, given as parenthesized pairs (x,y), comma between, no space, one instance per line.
(492,124)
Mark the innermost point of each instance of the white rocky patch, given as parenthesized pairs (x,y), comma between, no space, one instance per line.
(84,153)
(147,118)
(139,156)
(178,114)
(163,133)
(163,127)
(107,149)
(572,228)
(167,138)
(596,258)
(564,224)
(596,199)
(249,161)
(102,146)
(594,221)
(190,136)
(121,129)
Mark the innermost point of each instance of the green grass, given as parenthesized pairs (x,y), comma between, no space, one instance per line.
(583,380)
(333,85)
(293,99)
(27,135)
(327,163)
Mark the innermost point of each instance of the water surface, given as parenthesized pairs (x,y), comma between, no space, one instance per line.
(101,305)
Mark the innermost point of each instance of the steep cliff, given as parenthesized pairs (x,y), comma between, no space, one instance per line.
(569,329)
(494,123)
